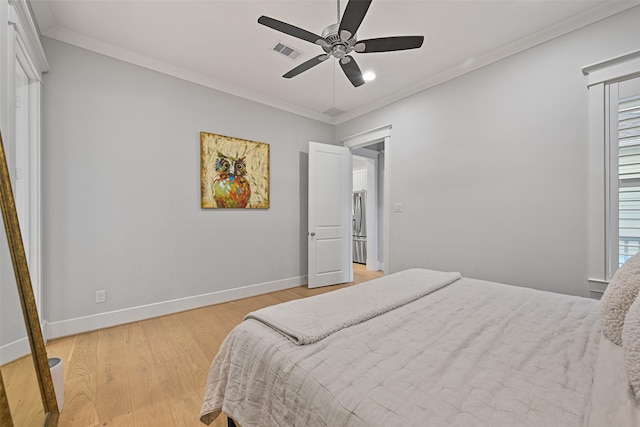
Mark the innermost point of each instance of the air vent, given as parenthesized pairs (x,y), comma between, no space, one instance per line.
(287,51)
(333,112)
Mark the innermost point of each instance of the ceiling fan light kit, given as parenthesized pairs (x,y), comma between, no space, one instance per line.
(339,40)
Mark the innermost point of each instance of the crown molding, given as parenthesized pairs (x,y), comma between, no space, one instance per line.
(126,55)
(43,13)
(574,23)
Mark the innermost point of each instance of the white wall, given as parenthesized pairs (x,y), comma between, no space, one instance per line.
(121,194)
(492,166)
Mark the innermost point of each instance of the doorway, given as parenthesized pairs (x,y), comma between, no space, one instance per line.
(374,144)
(366,208)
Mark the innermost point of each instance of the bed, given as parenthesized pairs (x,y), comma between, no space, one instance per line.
(422,347)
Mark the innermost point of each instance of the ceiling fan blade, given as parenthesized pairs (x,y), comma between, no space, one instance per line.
(352,70)
(387,44)
(305,66)
(292,30)
(352,18)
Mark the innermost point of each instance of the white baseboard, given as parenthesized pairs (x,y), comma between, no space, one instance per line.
(14,350)
(133,314)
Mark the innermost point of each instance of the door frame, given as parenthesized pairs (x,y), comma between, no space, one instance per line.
(364,139)
(25,49)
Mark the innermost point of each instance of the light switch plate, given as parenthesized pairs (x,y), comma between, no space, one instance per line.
(101,296)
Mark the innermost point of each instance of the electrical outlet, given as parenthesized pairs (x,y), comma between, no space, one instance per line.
(101,296)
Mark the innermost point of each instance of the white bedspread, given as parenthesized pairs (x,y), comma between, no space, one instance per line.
(471,353)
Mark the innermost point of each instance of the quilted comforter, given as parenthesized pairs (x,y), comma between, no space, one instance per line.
(467,354)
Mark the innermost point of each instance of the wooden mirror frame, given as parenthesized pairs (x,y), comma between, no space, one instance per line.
(27,300)
(5,414)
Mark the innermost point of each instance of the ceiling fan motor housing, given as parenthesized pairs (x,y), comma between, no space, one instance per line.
(337,47)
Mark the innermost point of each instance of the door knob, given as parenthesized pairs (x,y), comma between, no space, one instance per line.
(312,234)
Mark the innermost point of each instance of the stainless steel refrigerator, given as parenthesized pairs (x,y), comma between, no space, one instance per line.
(359,227)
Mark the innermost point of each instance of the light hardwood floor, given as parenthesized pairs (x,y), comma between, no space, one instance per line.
(153,372)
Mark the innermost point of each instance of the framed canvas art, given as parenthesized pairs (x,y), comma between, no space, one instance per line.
(234,172)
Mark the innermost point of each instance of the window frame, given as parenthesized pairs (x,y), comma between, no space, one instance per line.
(602,180)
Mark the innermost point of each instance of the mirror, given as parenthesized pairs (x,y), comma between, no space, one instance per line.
(23,394)
(38,358)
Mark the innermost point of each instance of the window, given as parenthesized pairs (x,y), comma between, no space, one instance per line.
(614,166)
(625,144)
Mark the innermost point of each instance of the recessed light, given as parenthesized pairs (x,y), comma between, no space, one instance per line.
(368,76)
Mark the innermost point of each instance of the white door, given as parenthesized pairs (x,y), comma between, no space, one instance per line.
(329,233)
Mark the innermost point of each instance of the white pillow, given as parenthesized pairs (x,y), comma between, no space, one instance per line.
(618,297)
(631,346)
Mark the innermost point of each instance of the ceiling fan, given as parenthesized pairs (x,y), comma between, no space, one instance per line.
(339,40)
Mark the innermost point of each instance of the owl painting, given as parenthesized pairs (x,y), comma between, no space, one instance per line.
(234,173)
(231,189)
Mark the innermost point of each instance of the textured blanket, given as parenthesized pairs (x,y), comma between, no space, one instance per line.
(308,320)
(472,353)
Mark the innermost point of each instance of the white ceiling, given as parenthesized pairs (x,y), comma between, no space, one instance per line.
(219,44)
